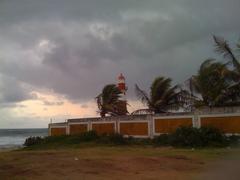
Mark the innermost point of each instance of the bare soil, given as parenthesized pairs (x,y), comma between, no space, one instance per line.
(108,163)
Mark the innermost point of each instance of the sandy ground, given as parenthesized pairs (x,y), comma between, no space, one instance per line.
(116,163)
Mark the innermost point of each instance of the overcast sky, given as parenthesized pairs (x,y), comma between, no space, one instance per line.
(56,55)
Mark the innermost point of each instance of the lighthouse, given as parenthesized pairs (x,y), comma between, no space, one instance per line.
(123,88)
(121,84)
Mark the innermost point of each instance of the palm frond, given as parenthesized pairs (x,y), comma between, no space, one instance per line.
(238,46)
(223,48)
(142,111)
(213,83)
(142,95)
(159,87)
(108,101)
(99,101)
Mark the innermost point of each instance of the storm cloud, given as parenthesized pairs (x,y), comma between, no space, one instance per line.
(74,48)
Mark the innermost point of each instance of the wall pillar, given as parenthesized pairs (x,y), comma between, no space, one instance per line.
(151,128)
(196,120)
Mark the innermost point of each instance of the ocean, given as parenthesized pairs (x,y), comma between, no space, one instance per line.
(14,138)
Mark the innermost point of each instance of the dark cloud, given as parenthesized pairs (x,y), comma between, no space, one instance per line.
(76,47)
(12,91)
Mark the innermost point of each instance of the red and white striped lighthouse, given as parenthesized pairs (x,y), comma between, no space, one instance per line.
(121,84)
(122,104)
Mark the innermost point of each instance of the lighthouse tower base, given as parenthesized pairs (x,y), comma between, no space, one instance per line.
(122,107)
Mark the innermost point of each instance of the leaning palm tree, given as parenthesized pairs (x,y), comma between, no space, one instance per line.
(223,48)
(163,97)
(213,83)
(108,101)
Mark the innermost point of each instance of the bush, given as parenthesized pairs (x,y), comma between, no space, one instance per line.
(186,137)
(182,137)
(162,140)
(30,141)
(213,137)
(61,140)
(72,139)
(195,137)
(88,136)
(234,139)
(115,138)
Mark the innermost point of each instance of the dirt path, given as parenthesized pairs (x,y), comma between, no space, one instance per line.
(224,169)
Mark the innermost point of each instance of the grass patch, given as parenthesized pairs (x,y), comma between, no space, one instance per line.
(109,162)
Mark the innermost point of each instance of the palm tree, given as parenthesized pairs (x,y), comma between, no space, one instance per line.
(223,48)
(162,96)
(213,83)
(108,101)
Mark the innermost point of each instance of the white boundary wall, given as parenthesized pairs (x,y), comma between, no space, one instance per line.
(76,123)
(104,122)
(217,115)
(136,121)
(171,118)
(57,125)
(150,119)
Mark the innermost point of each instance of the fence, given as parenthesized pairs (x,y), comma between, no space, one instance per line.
(147,126)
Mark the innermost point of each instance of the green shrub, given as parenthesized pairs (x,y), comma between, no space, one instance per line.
(213,137)
(61,140)
(195,137)
(186,137)
(115,138)
(182,137)
(162,140)
(88,136)
(139,141)
(55,139)
(73,139)
(30,141)
(234,139)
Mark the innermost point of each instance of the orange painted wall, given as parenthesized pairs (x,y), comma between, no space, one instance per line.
(170,125)
(58,131)
(230,124)
(102,128)
(137,128)
(77,128)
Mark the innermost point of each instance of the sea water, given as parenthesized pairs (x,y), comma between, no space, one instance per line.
(14,138)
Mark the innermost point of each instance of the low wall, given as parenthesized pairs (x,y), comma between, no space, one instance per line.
(135,128)
(105,127)
(228,123)
(147,126)
(77,128)
(163,125)
(57,129)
